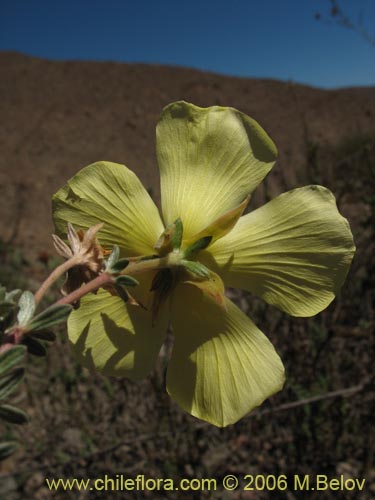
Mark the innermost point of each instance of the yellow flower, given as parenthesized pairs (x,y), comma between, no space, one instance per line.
(294,252)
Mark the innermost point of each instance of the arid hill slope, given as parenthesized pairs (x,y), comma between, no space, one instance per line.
(60,116)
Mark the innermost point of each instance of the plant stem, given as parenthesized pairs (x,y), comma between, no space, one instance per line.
(149,265)
(55,275)
(15,335)
(106,278)
(91,286)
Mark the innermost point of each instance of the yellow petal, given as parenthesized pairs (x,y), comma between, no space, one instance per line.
(294,252)
(113,194)
(115,338)
(210,159)
(221,226)
(222,365)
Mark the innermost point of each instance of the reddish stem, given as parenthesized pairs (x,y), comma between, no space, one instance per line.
(91,286)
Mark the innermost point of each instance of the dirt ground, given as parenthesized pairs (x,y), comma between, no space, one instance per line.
(60,116)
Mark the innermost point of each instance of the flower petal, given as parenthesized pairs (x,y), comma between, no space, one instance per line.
(221,226)
(116,338)
(210,159)
(113,194)
(222,366)
(294,252)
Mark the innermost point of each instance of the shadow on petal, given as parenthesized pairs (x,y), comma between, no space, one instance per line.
(222,365)
(114,338)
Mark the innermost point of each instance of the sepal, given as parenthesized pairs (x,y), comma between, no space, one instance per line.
(220,226)
(114,263)
(197,246)
(212,287)
(196,268)
(171,238)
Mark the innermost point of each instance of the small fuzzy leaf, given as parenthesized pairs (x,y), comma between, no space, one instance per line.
(198,245)
(177,234)
(34,347)
(27,308)
(13,415)
(51,316)
(126,281)
(119,265)
(7,448)
(9,382)
(13,295)
(126,297)
(113,257)
(122,293)
(11,357)
(196,268)
(2,292)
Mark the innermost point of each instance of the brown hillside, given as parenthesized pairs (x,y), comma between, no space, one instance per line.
(60,116)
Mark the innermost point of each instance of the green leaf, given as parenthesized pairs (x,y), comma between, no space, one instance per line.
(122,293)
(126,281)
(46,335)
(34,347)
(113,257)
(9,382)
(7,448)
(27,308)
(171,238)
(13,415)
(200,244)
(2,292)
(11,357)
(177,234)
(13,295)
(196,268)
(51,316)
(118,266)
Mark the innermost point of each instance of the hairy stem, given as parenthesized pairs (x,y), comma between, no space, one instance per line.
(91,286)
(106,278)
(15,335)
(55,275)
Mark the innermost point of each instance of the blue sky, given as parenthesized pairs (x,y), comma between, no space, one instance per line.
(266,39)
